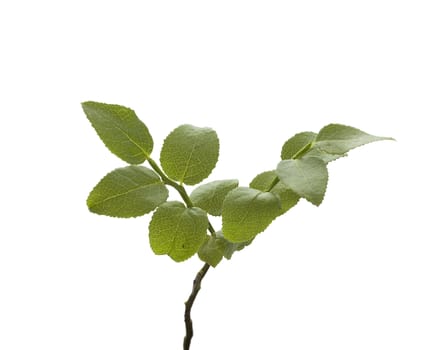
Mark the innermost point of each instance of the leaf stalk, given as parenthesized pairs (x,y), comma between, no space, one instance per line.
(180,189)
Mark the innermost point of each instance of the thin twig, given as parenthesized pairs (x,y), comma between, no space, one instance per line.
(189,303)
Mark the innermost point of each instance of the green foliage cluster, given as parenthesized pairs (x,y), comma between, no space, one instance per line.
(188,156)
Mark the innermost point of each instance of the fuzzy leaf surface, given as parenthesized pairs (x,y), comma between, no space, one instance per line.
(127,192)
(121,131)
(247,212)
(177,231)
(306,176)
(339,139)
(210,196)
(287,197)
(190,153)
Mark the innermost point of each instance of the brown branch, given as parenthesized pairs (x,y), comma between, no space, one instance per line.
(189,303)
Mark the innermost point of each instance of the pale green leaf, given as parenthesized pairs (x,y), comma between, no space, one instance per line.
(177,231)
(230,247)
(210,196)
(190,153)
(247,212)
(294,145)
(307,177)
(324,156)
(339,139)
(215,248)
(212,250)
(121,131)
(287,197)
(127,192)
(299,146)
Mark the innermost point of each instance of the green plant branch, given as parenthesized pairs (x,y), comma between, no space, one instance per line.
(200,275)
(189,303)
(180,189)
(134,190)
(168,181)
(298,155)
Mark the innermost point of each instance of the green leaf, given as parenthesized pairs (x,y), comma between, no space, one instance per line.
(177,231)
(215,248)
(298,147)
(212,250)
(324,156)
(127,192)
(247,212)
(339,139)
(307,177)
(210,196)
(293,146)
(121,131)
(287,197)
(231,247)
(189,154)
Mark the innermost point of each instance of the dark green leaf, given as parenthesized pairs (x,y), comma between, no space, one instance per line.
(177,231)
(189,154)
(247,212)
(339,139)
(287,197)
(121,131)
(210,196)
(127,192)
(306,176)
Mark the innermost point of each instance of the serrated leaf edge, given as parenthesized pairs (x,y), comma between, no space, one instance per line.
(317,142)
(146,155)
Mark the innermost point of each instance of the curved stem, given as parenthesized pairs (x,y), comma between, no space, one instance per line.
(180,189)
(189,303)
(200,275)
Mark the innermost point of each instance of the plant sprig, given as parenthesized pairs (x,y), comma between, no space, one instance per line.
(188,156)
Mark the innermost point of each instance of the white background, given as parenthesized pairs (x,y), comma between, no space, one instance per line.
(362,271)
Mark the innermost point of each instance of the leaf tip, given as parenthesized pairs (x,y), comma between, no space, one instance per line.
(85,105)
(316,202)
